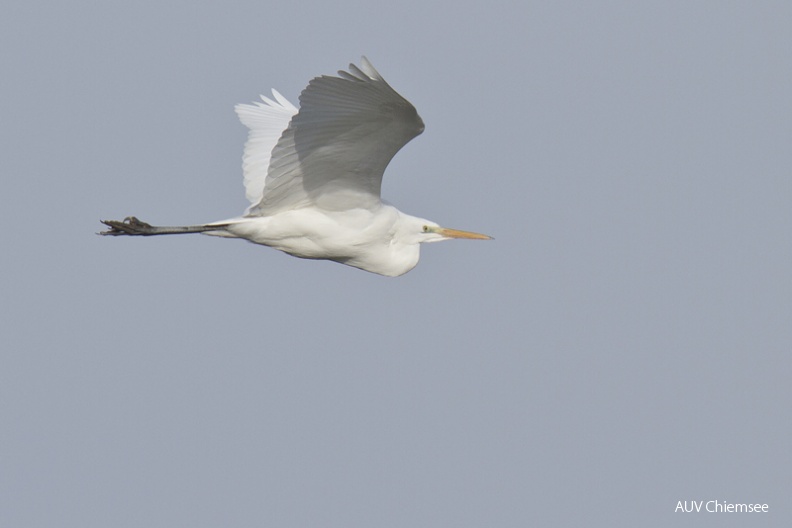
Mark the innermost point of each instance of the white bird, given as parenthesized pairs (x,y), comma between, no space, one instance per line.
(313,177)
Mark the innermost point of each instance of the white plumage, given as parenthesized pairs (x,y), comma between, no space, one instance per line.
(314,176)
(266,122)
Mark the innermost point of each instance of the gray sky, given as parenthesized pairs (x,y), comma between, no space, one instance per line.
(622,345)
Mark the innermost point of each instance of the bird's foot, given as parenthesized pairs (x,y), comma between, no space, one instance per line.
(130,226)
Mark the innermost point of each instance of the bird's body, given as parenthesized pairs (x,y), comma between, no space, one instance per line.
(313,177)
(369,239)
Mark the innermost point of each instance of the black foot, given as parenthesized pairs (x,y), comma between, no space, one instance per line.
(130,226)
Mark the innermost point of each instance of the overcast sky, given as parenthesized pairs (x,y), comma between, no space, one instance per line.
(622,345)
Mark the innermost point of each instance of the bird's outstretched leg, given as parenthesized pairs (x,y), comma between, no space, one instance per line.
(133,227)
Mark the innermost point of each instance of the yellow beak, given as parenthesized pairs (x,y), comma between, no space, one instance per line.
(456,233)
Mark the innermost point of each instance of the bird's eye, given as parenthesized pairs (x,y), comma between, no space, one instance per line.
(425,229)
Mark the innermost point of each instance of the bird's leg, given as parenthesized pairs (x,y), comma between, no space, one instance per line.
(133,227)
(130,226)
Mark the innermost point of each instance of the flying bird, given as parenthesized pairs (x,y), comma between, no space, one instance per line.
(313,177)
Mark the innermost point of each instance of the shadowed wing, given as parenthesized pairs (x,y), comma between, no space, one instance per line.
(335,150)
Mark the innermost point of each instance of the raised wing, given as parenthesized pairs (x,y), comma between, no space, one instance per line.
(335,150)
(266,122)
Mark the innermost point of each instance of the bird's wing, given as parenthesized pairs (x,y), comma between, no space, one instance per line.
(266,122)
(335,150)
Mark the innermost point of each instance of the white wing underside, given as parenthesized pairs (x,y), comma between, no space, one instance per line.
(331,153)
(266,122)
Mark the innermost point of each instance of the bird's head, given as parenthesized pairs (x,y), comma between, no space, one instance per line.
(427,231)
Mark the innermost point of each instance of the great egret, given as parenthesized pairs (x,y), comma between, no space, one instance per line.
(313,177)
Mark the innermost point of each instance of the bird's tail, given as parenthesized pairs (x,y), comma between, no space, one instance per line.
(131,226)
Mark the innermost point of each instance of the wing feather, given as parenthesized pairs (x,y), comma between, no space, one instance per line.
(335,149)
(266,122)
